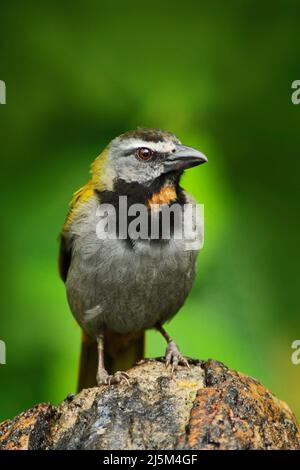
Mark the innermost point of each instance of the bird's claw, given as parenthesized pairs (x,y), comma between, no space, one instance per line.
(117,378)
(114,379)
(174,358)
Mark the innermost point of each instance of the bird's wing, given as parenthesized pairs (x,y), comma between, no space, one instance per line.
(79,198)
(64,257)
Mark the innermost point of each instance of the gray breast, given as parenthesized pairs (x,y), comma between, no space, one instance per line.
(127,288)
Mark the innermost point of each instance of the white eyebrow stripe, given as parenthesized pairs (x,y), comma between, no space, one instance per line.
(155,146)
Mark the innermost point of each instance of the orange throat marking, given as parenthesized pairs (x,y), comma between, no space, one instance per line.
(166,195)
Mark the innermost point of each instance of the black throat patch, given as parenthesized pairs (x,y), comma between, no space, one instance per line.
(137,193)
(140,193)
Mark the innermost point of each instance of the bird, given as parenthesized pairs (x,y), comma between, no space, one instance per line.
(119,287)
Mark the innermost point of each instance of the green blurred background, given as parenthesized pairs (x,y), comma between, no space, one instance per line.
(218,74)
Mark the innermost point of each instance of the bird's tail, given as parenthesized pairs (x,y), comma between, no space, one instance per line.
(120,353)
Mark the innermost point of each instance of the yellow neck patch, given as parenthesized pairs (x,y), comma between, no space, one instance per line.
(79,198)
(101,178)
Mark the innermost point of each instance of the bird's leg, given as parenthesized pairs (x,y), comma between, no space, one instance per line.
(103,377)
(102,373)
(173,356)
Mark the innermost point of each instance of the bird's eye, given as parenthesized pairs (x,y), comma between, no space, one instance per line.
(144,153)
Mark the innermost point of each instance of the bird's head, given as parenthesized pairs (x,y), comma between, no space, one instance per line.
(143,157)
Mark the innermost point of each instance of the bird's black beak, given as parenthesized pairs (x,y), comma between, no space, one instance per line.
(184,157)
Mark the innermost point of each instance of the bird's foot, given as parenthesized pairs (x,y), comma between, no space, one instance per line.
(173,357)
(104,378)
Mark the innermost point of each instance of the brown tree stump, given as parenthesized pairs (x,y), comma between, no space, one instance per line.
(208,406)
